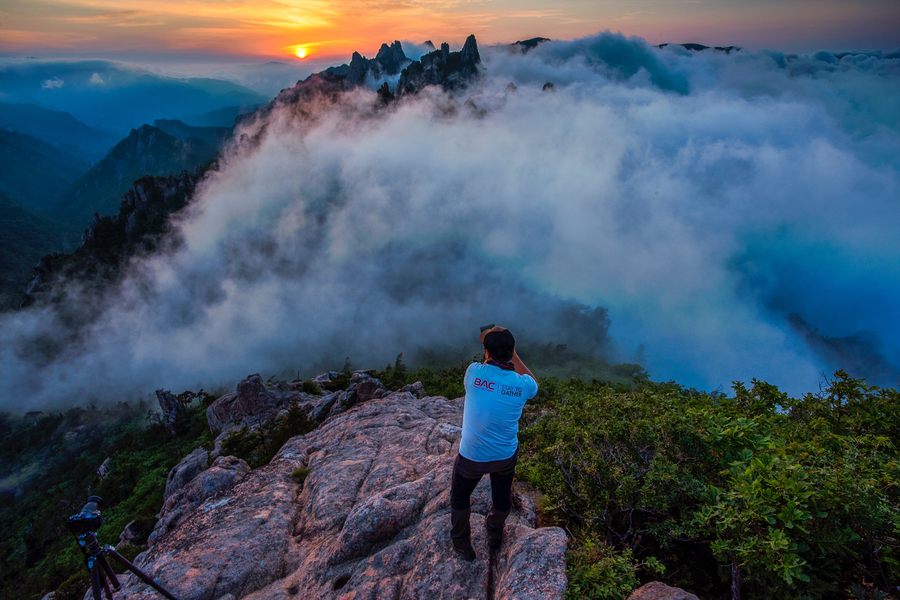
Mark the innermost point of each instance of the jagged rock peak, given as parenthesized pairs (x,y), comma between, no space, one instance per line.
(469,52)
(359,68)
(388,61)
(391,58)
(450,70)
(525,46)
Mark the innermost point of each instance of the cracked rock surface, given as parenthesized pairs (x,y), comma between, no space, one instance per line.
(370,521)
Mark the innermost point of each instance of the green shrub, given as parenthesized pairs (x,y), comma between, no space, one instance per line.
(37,552)
(798,495)
(74,587)
(311,387)
(259,446)
(341,382)
(300,474)
(597,571)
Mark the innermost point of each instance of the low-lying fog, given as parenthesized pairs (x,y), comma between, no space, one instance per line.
(700,197)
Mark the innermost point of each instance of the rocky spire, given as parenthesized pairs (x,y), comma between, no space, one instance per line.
(470,56)
(359,68)
(450,70)
(391,58)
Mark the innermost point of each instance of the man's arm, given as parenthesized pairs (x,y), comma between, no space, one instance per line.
(521,369)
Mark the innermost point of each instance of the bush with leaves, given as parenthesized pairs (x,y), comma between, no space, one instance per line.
(780,497)
(258,446)
(55,459)
(597,571)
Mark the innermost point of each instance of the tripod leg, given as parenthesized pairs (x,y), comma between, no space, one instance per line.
(95,582)
(140,574)
(109,573)
(105,583)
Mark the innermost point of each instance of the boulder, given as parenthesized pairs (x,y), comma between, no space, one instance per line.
(370,520)
(129,534)
(327,377)
(103,470)
(416,389)
(660,591)
(362,387)
(225,473)
(253,403)
(182,473)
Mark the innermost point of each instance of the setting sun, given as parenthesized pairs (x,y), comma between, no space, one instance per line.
(300,52)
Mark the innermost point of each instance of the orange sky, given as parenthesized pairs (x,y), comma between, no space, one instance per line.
(272,28)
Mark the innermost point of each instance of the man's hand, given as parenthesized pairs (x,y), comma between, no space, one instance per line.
(487,331)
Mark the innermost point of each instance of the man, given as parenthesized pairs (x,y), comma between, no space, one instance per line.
(496,392)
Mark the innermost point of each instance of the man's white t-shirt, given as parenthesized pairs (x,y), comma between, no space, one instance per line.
(494,401)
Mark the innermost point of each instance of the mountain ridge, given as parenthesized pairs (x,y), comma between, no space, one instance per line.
(147,150)
(37,172)
(57,128)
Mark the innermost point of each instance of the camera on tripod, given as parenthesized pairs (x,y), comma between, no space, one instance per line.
(89,520)
(85,525)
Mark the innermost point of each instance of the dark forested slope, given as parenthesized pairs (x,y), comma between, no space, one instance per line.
(33,171)
(26,236)
(146,151)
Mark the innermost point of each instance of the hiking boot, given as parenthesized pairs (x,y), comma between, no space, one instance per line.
(467,554)
(494,526)
(461,533)
(494,543)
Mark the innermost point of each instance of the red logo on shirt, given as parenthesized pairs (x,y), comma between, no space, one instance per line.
(485,385)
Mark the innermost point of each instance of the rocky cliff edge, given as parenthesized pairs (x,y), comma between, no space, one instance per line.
(356,509)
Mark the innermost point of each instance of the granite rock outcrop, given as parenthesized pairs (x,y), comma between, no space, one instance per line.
(252,403)
(357,508)
(660,591)
(172,410)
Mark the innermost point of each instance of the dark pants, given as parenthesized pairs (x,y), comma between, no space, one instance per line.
(466,475)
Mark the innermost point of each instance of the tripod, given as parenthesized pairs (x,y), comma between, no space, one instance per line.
(84,525)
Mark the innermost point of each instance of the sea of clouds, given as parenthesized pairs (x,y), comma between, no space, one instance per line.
(701,197)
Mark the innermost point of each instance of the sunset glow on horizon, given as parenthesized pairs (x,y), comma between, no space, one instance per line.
(269,29)
(299,50)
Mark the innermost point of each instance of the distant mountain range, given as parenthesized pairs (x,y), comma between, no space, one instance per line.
(108,95)
(147,150)
(214,136)
(59,129)
(56,172)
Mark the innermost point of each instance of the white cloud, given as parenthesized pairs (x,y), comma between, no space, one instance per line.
(96,79)
(50,84)
(651,182)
